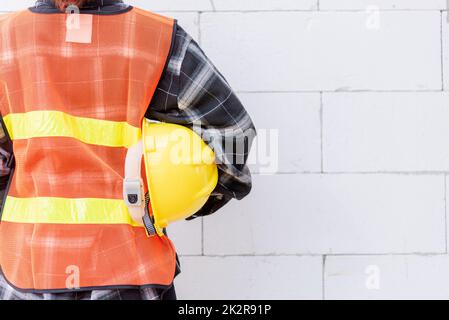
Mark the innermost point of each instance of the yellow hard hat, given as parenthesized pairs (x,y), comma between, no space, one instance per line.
(180,169)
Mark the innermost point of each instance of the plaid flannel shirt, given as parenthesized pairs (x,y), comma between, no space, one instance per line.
(192,92)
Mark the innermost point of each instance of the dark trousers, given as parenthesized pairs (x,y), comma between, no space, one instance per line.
(133,294)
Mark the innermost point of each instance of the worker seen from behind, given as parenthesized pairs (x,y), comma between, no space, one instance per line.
(114,124)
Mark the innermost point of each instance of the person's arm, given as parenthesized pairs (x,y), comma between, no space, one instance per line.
(6,161)
(192,92)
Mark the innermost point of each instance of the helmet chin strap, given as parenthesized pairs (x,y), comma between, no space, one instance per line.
(133,191)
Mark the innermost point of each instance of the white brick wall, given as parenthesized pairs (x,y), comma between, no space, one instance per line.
(327,51)
(300,140)
(251,278)
(399,277)
(382,4)
(358,93)
(393,132)
(332,214)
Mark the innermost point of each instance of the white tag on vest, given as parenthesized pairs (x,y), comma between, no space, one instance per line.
(79,28)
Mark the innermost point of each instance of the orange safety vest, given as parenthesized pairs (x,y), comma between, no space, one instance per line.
(72,110)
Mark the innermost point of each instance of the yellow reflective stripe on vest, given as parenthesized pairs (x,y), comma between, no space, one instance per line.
(66,211)
(60,124)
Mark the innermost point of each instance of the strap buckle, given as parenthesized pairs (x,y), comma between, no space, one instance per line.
(133,192)
(133,189)
(133,197)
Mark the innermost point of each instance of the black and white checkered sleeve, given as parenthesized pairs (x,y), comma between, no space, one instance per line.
(192,92)
(6,159)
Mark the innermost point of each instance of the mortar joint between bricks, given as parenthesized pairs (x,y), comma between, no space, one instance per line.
(212,3)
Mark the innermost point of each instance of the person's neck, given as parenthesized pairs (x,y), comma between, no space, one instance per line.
(91,6)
